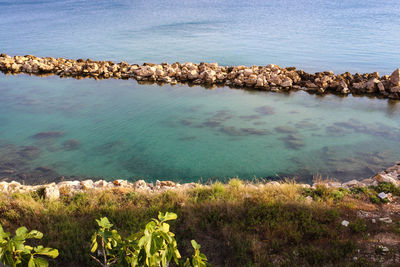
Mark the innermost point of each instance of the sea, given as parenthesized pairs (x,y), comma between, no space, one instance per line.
(53,128)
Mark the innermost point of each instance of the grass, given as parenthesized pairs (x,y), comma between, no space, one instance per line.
(237,223)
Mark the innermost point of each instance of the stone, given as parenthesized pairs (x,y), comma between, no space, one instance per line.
(386,178)
(371,85)
(51,193)
(385,220)
(140,184)
(345,223)
(383,249)
(87,184)
(192,75)
(353,183)
(71,144)
(265,110)
(287,82)
(360,85)
(285,129)
(381,87)
(382,195)
(167,183)
(395,89)
(395,77)
(43,135)
(345,91)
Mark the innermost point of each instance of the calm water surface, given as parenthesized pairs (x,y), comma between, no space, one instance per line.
(117,128)
(51,127)
(314,35)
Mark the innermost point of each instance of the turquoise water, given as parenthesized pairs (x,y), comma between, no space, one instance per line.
(51,127)
(119,129)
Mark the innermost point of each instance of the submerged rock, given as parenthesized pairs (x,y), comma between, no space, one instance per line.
(265,110)
(71,144)
(43,135)
(285,129)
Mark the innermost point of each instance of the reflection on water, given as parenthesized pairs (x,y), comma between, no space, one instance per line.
(53,128)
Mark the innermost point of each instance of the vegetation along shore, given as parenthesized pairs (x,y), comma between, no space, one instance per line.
(264,78)
(238,223)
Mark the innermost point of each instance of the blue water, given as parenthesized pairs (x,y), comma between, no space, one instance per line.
(51,127)
(314,35)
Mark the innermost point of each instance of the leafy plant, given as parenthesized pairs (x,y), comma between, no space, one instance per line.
(14,252)
(110,241)
(153,246)
(198,259)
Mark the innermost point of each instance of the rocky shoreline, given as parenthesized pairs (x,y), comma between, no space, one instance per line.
(263,78)
(53,191)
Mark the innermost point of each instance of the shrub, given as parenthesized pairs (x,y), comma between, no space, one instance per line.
(154,246)
(14,252)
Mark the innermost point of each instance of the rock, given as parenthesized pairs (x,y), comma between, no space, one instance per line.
(76,185)
(270,77)
(395,89)
(121,183)
(360,85)
(285,129)
(385,220)
(71,144)
(192,75)
(287,82)
(345,91)
(383,249)
(354,183)
(44,169)
(265,110)
(167,183)
(273,183)
(345,223)
(371,85)
(386,178)
(395,77)
(381,87)
(51,193)
(87,184)
(101,184)
(382,195)
(43,135)
(140,184)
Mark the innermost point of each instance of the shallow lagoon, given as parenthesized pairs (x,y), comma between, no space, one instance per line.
(52,127)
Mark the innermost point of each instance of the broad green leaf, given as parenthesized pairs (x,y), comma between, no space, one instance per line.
(40,262)
(21,231)
(31,262)
(167,216)
(104,222)
(3,234)
(34,234)
(49,252)
(165,227)
(94,247)
(195,244)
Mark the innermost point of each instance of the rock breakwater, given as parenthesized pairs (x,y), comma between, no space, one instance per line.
(265,78)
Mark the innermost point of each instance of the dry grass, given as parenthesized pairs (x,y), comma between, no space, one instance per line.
(237,224)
